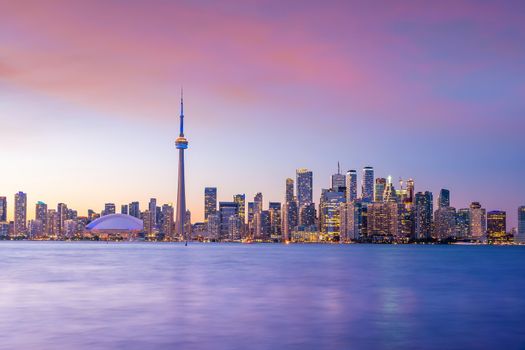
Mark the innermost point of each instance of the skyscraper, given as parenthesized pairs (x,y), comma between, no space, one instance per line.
(109,208)
(410,196)
(289,190)
(379,189)
(181,143)
(210,201)
(478,221)
(444,222)
(351,186)
(497,226)
(3,209)
(444,198)
(41,216)
(423,215)
(463,223)
(258,203)
(274,210)
(521,224)
(152,208)
(304,183)
(367,186)
(338,180)
(226,210)
(134,209)
(124,209)
(329,219)
(62,217)
(167,220)
(240,199)
(20,228)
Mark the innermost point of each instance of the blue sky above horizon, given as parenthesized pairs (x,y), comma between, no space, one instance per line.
(89,97)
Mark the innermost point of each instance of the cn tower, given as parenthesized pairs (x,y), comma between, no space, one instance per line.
(181,143)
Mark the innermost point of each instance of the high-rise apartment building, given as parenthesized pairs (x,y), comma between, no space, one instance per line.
(423,215)
(41,217)
(379,189)
(497,226)
(521,225)
(20,228)
(367,185)
(444,222)
(240,199)
(134,209)
(109,209)
(3,209)
(210,201)
(304,183)
(351,186)
(444,198)
(124,209)
(478,221)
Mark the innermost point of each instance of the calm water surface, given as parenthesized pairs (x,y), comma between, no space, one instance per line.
(232,296)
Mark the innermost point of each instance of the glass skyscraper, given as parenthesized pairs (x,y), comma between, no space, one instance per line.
(351,186)
(304,186)
(210,201)
(367,185)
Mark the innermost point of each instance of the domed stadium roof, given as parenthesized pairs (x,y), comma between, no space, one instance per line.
(116,222)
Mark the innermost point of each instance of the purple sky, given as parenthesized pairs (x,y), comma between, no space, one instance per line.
(429,90)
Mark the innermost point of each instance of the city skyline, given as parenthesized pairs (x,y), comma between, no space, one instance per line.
(447,113)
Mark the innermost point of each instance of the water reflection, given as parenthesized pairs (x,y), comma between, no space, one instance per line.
(164,296)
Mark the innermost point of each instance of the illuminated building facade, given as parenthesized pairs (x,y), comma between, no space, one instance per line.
(423,215)
(210,201)
(351,186)
(379,189)
(444,222)
(20,228)
(478,223)
(240,199)
(367,184)
(329,219)
(497,226)
(304,182)
(274,211)
(3,209)
(520,237)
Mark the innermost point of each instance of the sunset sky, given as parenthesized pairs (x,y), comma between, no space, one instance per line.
(433,90)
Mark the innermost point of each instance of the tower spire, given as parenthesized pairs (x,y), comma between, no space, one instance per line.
(181,112)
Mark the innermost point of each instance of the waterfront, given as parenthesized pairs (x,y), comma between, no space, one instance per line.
(89,295)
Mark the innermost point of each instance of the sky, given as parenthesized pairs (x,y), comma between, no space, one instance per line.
(429,90)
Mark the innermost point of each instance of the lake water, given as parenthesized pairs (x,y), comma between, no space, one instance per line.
(60,295)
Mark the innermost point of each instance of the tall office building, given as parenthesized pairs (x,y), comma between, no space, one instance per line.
(210,201)
(3,209)
(521,225)
(463,223)
(258,202)
(152,208)
(134,209)
(289,191)
(478,221)
(167,220)
(182,144)
(62,217)
(367,185)
(444,222)
(240,199)
(423,215)
(226,210)
(338,180)
(444,198)
(109,208)
(214,226)
(20,227)
(262,225)
(41,216)
(390,193)
(349,214)
(497,226)
(274,210)
(304,183)
(329,218)
(410,191)
(124,209)
(379,189)
(307,215)
(351,186)
(290,219)
(383,220)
